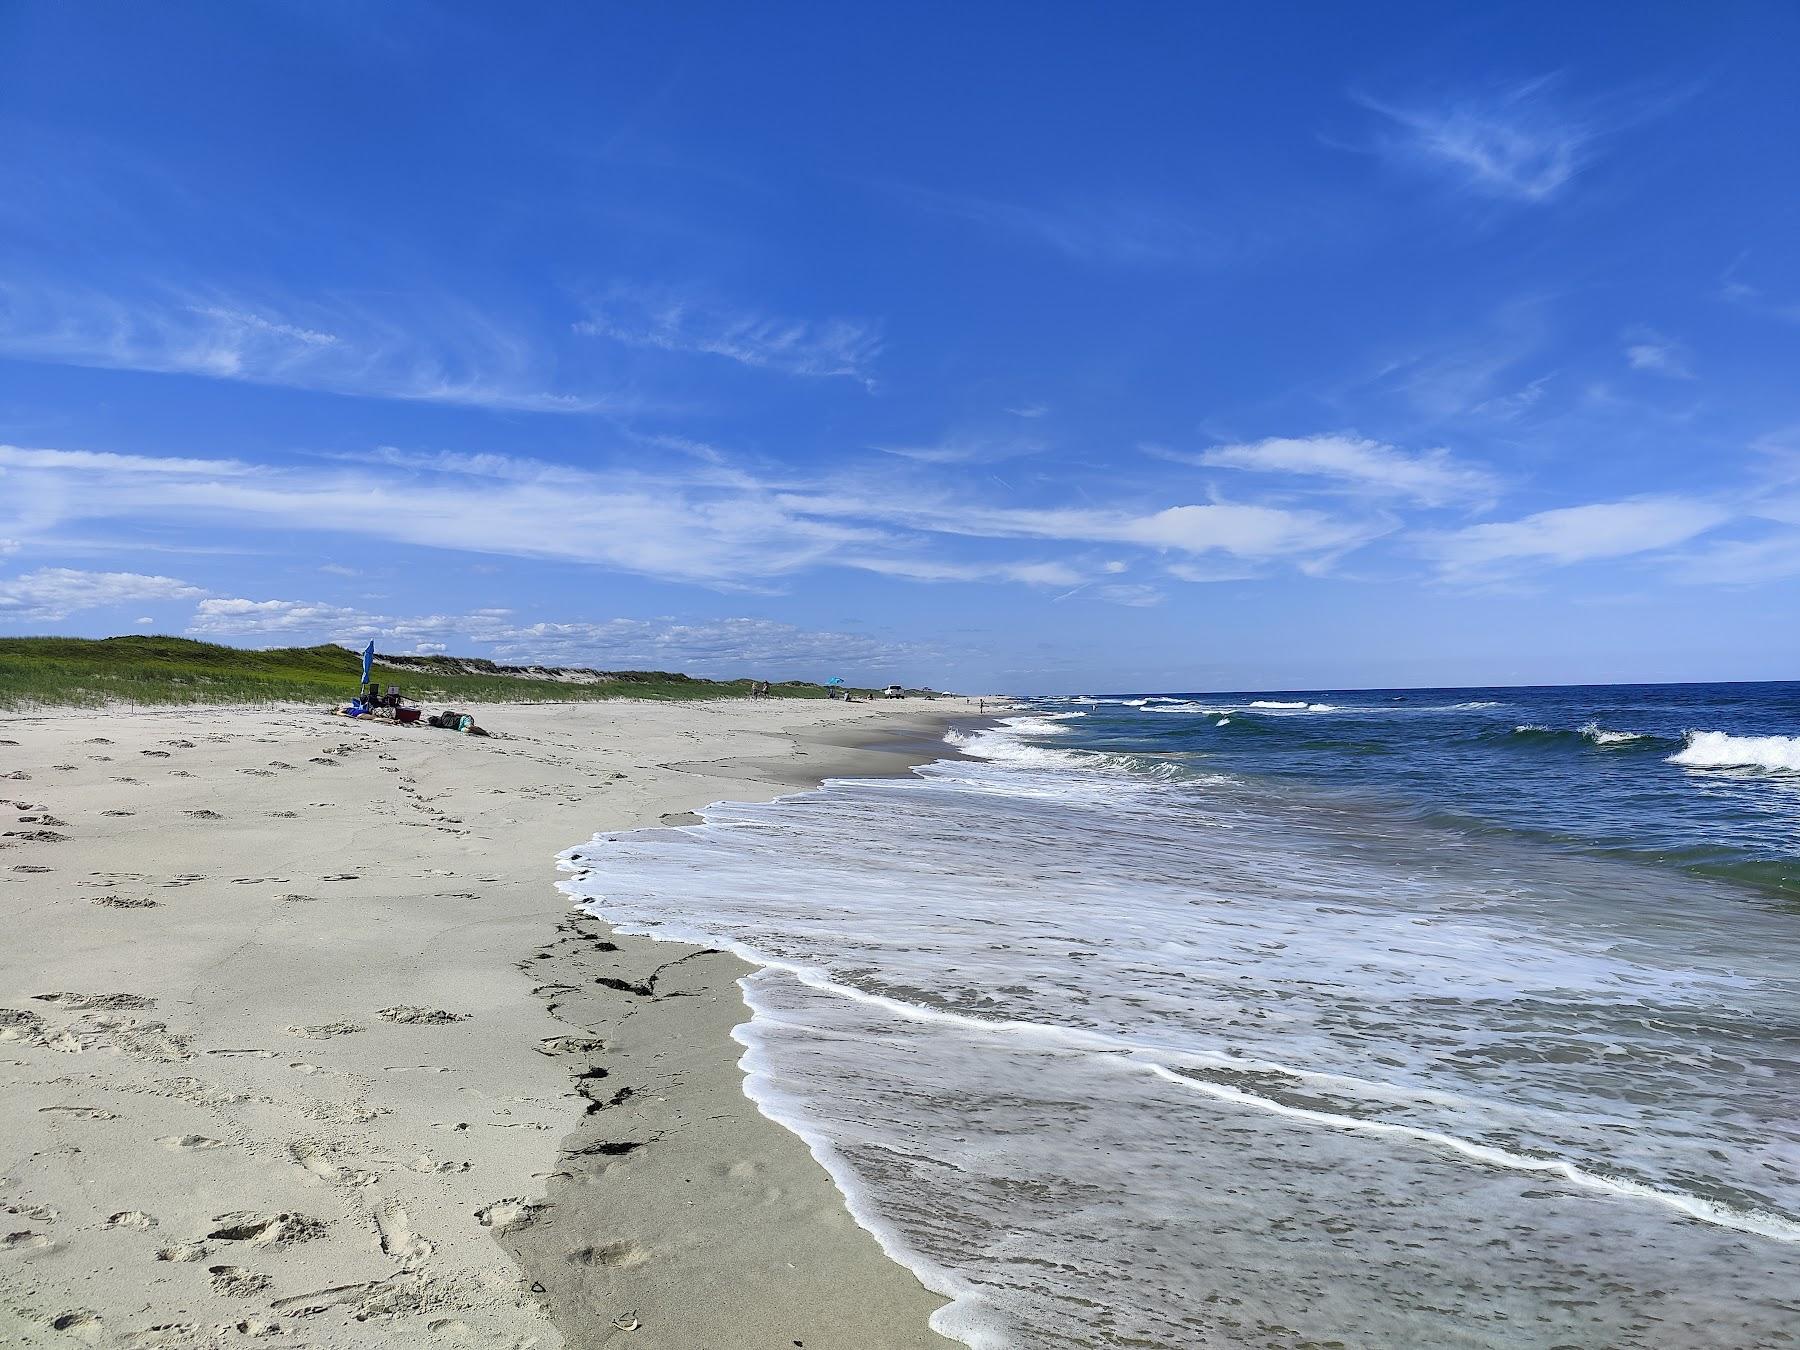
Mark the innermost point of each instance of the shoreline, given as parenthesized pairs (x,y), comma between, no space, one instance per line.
(668,1113)
(269,1046)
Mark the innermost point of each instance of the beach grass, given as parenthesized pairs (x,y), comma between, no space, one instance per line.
(154,671)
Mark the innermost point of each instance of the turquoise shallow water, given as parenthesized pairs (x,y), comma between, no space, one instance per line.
(1451,1018)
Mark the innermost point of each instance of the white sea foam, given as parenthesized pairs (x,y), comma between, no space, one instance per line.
(982,995)
(1758,1221)
(1720,750)
(1599,735)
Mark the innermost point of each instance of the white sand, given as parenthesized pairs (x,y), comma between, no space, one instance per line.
(272,1068)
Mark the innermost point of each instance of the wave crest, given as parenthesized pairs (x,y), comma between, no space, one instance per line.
(1721,750)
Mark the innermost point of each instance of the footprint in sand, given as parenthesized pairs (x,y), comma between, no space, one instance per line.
(410,1016)
(79,1112)
(236,1282)
(182,1143)
(31,867)
(338,1113)
(102,1001)
(118,813)
(23,1241)
(314,1157)
(423,1163)
(126,902)
(184,1251)
(134,1219)
(616,1255)
(325,1030)
(155,754)
(265,1230)
(204,814)
(509,1215)
(19,1024)
(397,1237)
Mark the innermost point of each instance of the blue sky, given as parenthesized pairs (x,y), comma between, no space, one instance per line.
(1024,347)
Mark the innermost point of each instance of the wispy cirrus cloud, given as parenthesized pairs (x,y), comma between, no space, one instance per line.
(924,568)
(971,449)
(1650,351)
(1130,594)
(413,349)
(1240,529)
(1771,556)
(673,321)
(1519,143)
(698,522)
(1573,534)
(1429,477)
(51,594)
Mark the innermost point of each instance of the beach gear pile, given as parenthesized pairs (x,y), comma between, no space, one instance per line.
(388,707)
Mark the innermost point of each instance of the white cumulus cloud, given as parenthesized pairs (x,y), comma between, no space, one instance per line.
(50,594)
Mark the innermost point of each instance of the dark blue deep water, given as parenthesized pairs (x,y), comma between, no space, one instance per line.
(1704,777)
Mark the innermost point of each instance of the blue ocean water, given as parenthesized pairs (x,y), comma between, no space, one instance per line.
(1281,1019)
(1600,767)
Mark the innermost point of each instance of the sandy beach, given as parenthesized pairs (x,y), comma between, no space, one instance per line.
(300,1044)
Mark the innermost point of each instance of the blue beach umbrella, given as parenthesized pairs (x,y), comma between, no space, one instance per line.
(368,660)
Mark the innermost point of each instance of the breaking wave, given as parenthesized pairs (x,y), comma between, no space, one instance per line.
(1721,750)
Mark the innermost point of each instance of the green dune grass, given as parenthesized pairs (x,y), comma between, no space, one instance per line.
(90,672)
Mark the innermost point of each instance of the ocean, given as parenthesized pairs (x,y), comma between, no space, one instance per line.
(1455,1017)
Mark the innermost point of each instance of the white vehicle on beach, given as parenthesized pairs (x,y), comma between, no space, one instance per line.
(893,691)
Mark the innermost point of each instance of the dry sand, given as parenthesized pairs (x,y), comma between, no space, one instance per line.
(299,1044)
